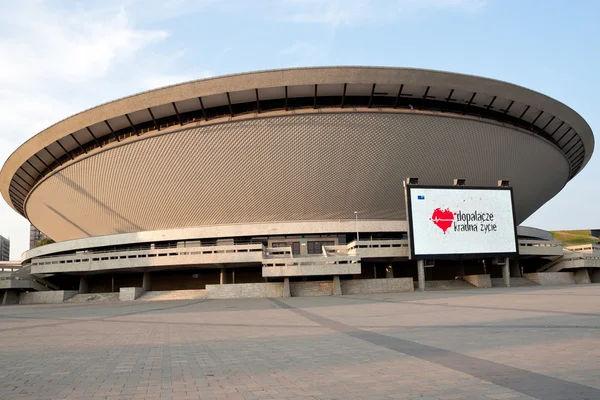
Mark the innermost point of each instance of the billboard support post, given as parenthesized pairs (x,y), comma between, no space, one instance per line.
(421,274)
(506,272)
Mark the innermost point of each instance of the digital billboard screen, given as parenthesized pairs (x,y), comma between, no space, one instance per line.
(460,222)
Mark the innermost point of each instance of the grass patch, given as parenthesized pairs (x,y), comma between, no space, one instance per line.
(573,238)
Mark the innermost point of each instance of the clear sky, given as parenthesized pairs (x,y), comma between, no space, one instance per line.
(60,57)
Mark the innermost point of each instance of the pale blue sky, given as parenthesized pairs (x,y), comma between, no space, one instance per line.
(60,57)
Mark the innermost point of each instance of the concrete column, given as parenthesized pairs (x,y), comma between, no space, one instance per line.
(389,272)
(421,274)
(506,272)
(582,276)
(232,275)
(337,286)
(515,269)
(10,297)
(84,286)
(286,288)
(374,271)
(147,282)
(223,279)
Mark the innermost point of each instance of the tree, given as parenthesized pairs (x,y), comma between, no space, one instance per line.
(44,242)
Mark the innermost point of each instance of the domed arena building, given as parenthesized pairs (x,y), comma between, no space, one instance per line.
(289,181)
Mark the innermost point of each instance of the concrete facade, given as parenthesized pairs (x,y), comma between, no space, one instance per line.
(130,293)
(244,290)
(552,278)
(56,296)
(4,249)
(371,286)
(479,281)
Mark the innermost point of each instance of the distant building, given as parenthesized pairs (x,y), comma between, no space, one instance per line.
(4,249)
(596,233)
(35,236)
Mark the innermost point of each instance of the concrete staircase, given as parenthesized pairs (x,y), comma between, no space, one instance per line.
(445,285)
(173,295)
(514,282)
(93,297)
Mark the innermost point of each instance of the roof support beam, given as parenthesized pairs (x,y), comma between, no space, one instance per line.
(398,95)
(548,123)
(536,118)
(24,181)
(28,174)
(156,126)
(21,186)
(65,150)
(371,96)
(229,103)
(491,103)
(344,95)
(257,100)
(111,130)
(16,189)
(577,153)
(78,144)
(449,98)
(525,112)
(177,113)
(315,98)
(573,146)
(42,161)
(470,102)
(563,135)
(426,96)
(509,106)
(52,155)
(132,126)
(33,166)
(203,109)
(556,130)
(94,136)
(14,193)
(286,98)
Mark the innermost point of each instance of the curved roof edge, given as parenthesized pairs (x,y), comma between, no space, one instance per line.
(290,77)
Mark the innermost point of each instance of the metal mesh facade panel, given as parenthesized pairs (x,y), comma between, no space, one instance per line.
(290,168)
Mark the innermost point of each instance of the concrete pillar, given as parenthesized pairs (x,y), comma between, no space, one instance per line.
(515,268)
(582,276)
(286,288)
(389,272)
(337,286)
(595,275)
(147,282)
(223,278)
(374,271)
(506,272)
(232,275)
(84,286)
(10,297)
(421,274)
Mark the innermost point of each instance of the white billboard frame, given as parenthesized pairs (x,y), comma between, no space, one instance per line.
(463,256)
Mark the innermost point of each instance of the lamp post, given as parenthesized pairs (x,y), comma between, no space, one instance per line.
(356,226)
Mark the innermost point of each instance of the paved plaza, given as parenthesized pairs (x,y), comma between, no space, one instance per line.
(518,343)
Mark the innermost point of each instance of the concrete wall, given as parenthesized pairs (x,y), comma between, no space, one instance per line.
(130,293)
(320,288)
(581,275)
(244,290)
(312,269)
(551,278)
(388,285)
(480,281)
(51,297)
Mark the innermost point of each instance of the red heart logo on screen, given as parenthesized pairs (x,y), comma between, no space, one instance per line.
(442,218)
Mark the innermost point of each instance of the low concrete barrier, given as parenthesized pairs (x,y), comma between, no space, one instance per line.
(130,293)
(480,281)
(311,289)
(551,278)
(244,290)
(51,297)
(387,285)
